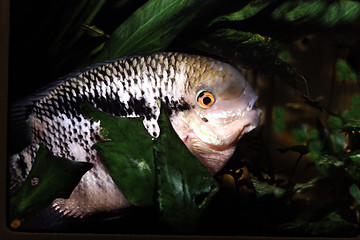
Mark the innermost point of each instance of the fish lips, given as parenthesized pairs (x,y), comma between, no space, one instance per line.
(230,125)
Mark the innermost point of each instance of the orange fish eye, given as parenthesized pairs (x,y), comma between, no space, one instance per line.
(205,98)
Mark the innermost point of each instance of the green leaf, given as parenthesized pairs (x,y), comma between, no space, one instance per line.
(251,51)
(151,28)
(47,182)
(264,189)
(355,156)
(354,191)
(300,133)
(341,12)
(127,154)
(354,112)
(319,12)
(184,185)
(279,122)
(315,147)
(94,31)
(249,10)
(335,124)
(339,142)
(324,163)
(299,11)
(344,71)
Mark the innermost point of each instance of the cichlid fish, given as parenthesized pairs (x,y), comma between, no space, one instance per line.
(210,105)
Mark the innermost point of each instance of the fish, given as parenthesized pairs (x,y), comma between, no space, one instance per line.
(209,103)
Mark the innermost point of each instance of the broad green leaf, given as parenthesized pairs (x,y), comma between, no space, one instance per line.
(264,189)
(151,28)
(51,177)
(127,154)
(184,185)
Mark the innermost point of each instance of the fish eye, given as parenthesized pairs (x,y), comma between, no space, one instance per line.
(205,98)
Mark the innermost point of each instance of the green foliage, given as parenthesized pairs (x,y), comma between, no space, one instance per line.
(344,71)
(127,153)
(246,33)
(300,133)
(263,189)
(149,172)
(46,182)
(354,112)
(318,11)
(184,185)
(151,28)
(331,225)
(279,121)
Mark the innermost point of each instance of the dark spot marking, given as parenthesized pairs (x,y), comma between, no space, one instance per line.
(204,119)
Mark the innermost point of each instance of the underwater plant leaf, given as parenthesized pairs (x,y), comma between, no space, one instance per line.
(184,185)
(264,189)
(251,51)
(300,133)
(341,12)
(244,47)
(331,225)
(299,11)
(324,163)
(151,28)
(344,71)
(335,124)
(354,112)
(127,154)
(47,182)
(94,31)
(248,10)
(355,192)
(321,12)
(355,156)
(279,124)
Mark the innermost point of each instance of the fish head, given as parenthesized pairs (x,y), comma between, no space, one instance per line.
(222,112)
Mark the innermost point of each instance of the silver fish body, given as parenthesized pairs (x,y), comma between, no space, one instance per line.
(130,87)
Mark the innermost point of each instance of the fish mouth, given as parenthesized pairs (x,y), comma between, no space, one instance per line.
(237,134)
(215,156)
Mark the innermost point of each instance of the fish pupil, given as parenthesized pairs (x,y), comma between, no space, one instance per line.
(206,100)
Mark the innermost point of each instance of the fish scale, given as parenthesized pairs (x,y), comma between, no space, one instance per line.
(115,88)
